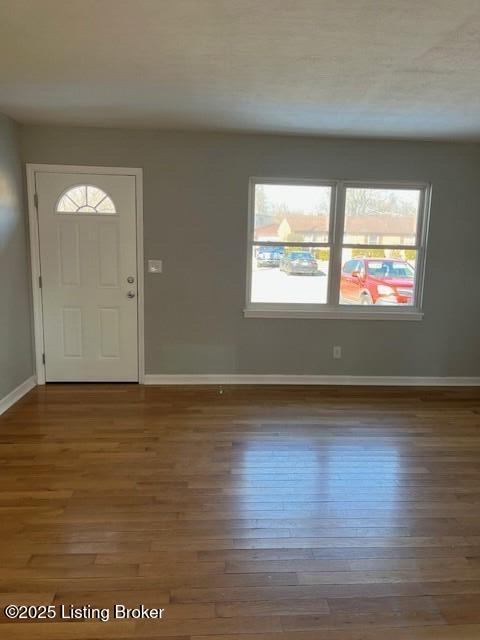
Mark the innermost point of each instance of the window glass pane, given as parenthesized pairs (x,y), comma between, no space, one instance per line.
(78,195)
(378,277)
(381,216)
(291,213)
(85,199)
(66,205)
(105,206)
(94,195)
(297,275)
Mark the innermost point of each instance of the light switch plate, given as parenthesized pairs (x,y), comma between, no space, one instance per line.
(155,266)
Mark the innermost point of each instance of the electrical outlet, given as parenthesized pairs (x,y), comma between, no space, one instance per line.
(337,352)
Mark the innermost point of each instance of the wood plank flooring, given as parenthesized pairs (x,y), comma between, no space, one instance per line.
(245,513)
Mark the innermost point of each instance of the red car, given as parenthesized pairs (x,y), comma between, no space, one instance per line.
(377,281)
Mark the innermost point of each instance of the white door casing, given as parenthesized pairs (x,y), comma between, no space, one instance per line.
(88,265)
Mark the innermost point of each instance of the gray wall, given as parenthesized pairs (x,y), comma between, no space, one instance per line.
(195,194)
(16,362)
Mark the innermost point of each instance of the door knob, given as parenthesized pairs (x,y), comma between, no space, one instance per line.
(131,294)
(130,279)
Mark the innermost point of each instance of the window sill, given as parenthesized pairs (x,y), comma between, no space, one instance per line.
(335,314)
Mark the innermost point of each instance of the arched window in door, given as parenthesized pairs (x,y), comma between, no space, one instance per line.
(85,198)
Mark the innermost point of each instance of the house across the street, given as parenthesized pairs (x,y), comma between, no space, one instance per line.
(360,229)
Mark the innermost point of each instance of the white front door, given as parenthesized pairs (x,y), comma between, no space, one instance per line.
(88,263)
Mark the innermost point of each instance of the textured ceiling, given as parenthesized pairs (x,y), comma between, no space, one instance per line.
(388,68)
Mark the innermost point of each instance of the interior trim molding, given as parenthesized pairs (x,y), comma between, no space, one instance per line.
(14,396)
(273,379)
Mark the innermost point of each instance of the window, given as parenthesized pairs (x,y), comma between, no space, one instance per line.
(291,234)
(336,249)
(85,198)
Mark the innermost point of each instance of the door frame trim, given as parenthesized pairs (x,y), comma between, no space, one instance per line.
(38,335)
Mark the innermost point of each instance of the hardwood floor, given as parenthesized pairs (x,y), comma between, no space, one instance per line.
(255,514)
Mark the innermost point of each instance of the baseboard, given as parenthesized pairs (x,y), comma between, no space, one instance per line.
(394,381)
(15,395)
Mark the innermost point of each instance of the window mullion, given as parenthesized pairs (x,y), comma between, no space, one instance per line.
(296,243)
(337,218)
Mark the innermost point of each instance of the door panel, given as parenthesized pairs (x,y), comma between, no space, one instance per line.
(109,333)
(108,255)
(72,332)
(87,252)
(69,249)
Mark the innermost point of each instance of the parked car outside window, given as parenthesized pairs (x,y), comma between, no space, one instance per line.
(299,263)
(269,256)
(385,281)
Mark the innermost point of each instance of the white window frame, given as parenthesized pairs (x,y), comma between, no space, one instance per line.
(333,309)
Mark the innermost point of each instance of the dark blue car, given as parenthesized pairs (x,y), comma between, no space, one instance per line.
(269,256)
(299,263)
